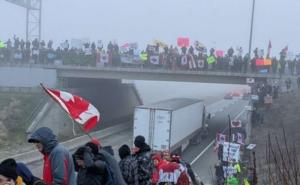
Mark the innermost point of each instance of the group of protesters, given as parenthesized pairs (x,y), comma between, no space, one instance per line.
(195,58)
(230,170)
(95,164)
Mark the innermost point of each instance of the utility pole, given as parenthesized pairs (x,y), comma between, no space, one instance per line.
(251,28)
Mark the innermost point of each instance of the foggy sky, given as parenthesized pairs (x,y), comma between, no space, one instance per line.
(216,23)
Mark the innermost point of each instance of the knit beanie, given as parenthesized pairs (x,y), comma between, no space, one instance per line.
(8,171)
(139,141)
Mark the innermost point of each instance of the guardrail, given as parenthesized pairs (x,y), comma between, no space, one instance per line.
(35,155)
(146,69)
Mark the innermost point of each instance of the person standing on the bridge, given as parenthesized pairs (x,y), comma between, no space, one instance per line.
(58,162)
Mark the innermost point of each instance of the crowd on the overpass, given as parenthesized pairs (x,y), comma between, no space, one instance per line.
(155,56)
(94,164)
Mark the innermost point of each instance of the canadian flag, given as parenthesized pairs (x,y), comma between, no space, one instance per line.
(79,109)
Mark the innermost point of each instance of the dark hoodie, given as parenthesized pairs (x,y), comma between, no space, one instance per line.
(145,164)
(58,162)
(94,171)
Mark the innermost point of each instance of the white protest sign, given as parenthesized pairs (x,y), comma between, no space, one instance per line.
(126,59)
(229,171)
(231,151)
(250,80)
(251,146)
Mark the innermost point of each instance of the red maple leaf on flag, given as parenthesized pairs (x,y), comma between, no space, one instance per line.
(79,109)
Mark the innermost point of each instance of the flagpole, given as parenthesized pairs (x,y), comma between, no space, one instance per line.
(73,128)
(229,140)
(86,133)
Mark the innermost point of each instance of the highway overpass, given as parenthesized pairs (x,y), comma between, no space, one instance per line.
(89,72)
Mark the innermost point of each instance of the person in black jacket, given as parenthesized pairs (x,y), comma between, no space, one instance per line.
(91,171)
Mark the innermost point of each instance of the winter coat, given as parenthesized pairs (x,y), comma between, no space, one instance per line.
(112,162)
(145,165)
(58,162)
(129,169)
(93,173)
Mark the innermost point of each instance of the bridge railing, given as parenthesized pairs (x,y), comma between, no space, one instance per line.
(48,58)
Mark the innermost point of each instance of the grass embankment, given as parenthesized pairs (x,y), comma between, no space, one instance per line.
(16,114)
(278,142)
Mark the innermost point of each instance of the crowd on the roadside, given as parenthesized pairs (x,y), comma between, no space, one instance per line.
(231,169)
(95,164)
(158,56)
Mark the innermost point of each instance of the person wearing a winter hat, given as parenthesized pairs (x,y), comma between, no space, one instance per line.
(24,174)
(91,171)
(128,165)
(109,159)
(142,153)
(8,175)
(13,164)
(58,162)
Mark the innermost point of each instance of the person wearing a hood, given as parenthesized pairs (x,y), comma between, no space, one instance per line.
(112,163)
(8,175)
(58,162)
(91,170)
(142,153)
(128,165)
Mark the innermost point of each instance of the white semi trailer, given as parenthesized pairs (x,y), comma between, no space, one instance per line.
(171,124)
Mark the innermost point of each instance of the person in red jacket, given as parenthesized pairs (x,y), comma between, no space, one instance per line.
(58,162)
(168,172)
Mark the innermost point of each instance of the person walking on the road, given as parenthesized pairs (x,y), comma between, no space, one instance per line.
(142,153)
(128,166)
(100,153)
(91,170)
(8,175)
(24,174)
(58,162)
(219,173)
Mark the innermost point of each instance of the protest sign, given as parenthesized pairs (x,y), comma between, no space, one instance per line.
(229,171)
(231,152)
(183,41)
(211,60)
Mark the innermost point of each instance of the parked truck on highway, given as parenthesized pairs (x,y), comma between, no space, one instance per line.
(170,124)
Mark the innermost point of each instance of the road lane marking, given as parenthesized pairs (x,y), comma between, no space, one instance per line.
(212,142)
(205,149)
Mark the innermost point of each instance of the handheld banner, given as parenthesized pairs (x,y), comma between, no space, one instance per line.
(211,60)
(231,152)
(183,41)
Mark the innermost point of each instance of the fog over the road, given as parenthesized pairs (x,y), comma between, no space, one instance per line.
(216,23)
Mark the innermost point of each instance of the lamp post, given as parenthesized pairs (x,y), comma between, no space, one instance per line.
(251,28)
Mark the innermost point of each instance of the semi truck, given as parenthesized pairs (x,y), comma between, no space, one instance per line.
(170,124)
